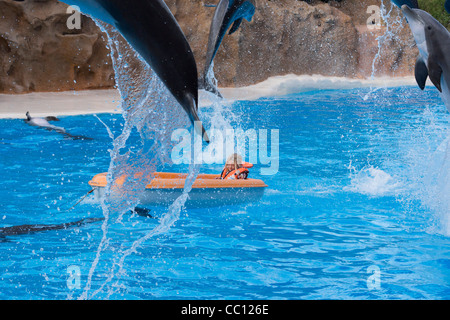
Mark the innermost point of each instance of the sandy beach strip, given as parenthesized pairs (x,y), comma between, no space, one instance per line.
(41,104)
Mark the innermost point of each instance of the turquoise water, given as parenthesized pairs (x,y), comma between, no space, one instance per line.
(363,185)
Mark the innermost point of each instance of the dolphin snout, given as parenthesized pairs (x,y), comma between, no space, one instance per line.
(406,9)
(412,15)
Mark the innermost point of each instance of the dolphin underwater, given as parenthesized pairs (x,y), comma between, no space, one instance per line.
(227,13)
(410,3)
(34,228)
(44,123)
(151,29)
(433,41)
(447,6)
(28,229)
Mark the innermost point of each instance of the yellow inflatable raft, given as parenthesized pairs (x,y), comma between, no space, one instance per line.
(207,191)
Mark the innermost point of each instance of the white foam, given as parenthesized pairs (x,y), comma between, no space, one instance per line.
(291,84)
(373,181)
(43,104)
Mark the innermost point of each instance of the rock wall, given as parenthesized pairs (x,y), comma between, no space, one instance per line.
(39,53)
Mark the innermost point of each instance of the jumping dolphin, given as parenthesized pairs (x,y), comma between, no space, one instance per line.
(433,41)
(227,13)
(410,3)
(151,29)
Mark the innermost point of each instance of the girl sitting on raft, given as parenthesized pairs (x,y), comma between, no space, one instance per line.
(235,168)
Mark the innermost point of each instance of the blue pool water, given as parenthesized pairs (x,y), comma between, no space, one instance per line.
(363,185)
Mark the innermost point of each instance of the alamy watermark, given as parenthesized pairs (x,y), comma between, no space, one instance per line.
(74,279)
(74,20)
(189,147)
(374,21)
(374,280)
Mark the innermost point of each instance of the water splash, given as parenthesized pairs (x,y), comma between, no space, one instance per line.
(427,168)
(372,181)
(391,25)
(437,181)
(222,120)
(427,160)
(211,77)
(385,16)
(151,112)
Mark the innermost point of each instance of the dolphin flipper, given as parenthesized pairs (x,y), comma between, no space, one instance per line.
(421,73)
(235,26)
(435,73)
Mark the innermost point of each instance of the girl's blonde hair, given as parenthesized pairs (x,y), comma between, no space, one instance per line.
(235,160)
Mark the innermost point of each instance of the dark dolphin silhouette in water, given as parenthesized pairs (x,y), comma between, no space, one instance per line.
(151,29)
(447,6)
(34,228)
(44,123)
(410,3)
(28,229)
(433,42)
(228,13)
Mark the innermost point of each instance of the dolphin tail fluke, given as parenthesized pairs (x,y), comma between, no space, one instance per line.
(193,115)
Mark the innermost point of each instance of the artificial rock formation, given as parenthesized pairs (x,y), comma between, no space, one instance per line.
(38,52)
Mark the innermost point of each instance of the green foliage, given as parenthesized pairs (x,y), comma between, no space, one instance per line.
(437,10)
